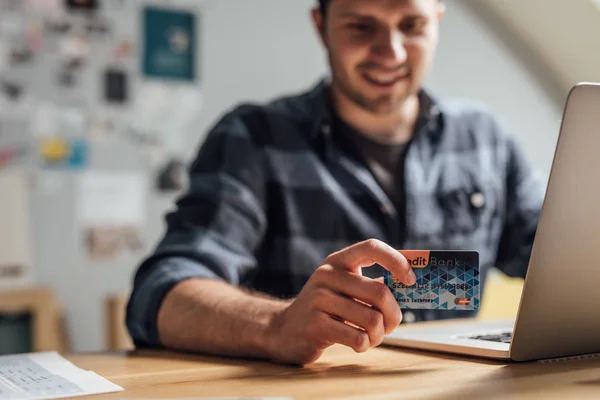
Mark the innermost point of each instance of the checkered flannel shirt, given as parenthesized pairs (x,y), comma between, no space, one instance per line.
(272,194)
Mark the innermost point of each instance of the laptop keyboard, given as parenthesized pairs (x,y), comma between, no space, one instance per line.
(503,337)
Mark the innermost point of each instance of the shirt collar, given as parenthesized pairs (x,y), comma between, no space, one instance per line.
(319,106)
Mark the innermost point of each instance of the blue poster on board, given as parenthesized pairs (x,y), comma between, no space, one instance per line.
(169,44)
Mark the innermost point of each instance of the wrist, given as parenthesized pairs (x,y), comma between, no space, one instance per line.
(270,340)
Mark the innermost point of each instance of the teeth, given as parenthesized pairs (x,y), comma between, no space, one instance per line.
(383,81)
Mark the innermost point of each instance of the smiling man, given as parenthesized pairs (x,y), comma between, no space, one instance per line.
(295,206)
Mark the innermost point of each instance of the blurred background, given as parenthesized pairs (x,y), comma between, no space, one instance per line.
(104,102)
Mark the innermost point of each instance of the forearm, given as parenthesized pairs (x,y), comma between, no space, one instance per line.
(214,317)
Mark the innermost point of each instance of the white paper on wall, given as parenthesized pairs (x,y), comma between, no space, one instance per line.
(15,230)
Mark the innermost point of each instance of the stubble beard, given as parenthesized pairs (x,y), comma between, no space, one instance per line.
(382,105)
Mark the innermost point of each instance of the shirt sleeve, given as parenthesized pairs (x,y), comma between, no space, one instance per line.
(214,230)
(524,199)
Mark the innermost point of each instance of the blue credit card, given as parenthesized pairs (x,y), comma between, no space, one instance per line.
(446,280)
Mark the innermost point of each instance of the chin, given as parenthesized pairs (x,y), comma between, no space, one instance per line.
(385,109)
(385,105)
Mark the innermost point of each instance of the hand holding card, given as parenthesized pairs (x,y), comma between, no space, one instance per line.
(340,305)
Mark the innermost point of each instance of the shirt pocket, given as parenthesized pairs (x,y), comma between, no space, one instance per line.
(467,213)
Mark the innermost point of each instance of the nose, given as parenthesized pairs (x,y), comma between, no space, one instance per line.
(389,48)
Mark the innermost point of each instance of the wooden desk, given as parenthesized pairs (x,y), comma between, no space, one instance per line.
(381,373)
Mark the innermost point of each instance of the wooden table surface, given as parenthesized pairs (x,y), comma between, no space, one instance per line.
(380,373)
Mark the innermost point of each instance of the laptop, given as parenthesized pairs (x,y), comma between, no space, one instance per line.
(559,311)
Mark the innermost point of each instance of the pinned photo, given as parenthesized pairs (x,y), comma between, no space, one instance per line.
(12,155)
(11,271)
(57,24)
(172,177)
(142,138)
(123,50)
(115,86)
(20,54)
(100,127)
(74,51)
(34,37)
(81,5)
(97,26)
(13,99)
(66,77)
(111,243)
(11,91)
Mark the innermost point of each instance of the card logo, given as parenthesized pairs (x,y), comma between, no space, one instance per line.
(462,301)
(416,258)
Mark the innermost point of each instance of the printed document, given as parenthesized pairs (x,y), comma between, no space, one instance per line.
(47,375)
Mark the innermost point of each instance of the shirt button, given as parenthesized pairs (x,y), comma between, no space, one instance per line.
(409,317)
(326,130)
(477,199)
(385,209)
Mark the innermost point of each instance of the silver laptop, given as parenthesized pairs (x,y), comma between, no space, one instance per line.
(559,312)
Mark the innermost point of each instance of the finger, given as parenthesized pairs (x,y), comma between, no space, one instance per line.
(361,288)
(369,252)
(338,332)
(359,315)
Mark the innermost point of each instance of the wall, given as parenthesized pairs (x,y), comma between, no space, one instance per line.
(475,62)
(570,55)
(257,58)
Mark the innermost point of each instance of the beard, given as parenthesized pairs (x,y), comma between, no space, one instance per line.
(384,104)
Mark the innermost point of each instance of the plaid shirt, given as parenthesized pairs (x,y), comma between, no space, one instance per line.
(272,193)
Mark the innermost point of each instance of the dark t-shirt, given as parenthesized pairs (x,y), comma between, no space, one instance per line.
(386,161)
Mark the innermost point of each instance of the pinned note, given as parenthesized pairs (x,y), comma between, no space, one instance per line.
(66,153)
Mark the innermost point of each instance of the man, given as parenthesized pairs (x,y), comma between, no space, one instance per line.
(296,206)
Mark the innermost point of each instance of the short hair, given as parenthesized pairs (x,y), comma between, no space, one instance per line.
(324,3)
(323,6)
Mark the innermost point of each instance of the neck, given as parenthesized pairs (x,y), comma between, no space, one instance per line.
(394,127)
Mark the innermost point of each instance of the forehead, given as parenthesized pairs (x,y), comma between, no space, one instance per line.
(382,7)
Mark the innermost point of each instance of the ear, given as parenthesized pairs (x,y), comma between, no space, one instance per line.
(441,9)
(318,23)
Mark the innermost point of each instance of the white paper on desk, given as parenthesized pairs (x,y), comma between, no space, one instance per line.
(47,375)
(112,213)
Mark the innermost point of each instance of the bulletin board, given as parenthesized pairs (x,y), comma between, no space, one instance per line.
(95,98)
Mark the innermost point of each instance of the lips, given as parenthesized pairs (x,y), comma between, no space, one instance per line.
(384,80)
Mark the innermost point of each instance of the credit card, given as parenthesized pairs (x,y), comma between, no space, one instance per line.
(446,280)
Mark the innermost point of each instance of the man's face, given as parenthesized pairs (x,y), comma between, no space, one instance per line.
(380,50)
